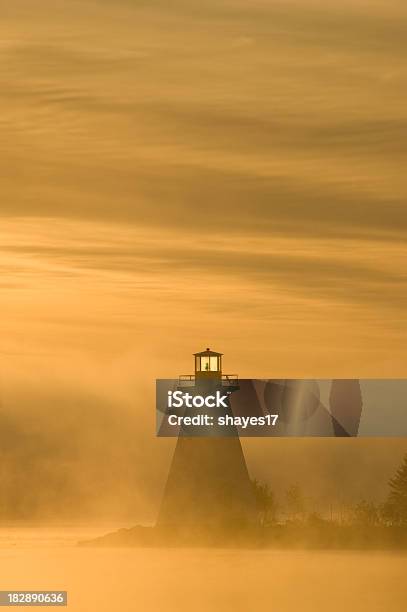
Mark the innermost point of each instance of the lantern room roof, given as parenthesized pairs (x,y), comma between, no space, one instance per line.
(208,353)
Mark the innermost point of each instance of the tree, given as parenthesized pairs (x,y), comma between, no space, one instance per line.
(395,508)
(366,513)
(265,502)
(295,501)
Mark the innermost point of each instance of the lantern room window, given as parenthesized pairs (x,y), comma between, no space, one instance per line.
(208,361)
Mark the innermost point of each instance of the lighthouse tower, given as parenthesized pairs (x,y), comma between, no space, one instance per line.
(208,484)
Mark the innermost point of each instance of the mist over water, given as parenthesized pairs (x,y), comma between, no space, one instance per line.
(80,449)
(180,580)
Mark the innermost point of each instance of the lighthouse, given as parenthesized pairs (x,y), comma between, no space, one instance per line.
(209,379)
(208,484)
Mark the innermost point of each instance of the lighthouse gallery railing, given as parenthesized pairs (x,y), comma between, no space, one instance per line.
(228,380)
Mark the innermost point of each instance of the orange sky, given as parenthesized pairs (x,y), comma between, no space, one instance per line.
(222,173)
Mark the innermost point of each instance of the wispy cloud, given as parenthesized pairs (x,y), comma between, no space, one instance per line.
(198,164)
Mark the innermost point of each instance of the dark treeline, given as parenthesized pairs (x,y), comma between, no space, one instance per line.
(288,523)
(293,507)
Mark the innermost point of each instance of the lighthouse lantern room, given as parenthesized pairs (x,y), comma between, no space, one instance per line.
(208,364)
